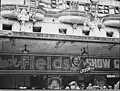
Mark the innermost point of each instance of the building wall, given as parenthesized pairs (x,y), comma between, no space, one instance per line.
(51,24)
(53,28)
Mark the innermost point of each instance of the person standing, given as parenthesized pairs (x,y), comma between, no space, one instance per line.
(89,86)
(73,85)
(117,85)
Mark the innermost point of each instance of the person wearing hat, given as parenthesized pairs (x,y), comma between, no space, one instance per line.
(90,86)
(67,87)
(73,85)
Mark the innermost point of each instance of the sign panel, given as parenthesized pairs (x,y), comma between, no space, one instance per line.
(24,62)
(58,63)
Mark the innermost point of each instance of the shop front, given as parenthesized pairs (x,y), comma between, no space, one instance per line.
(30,71)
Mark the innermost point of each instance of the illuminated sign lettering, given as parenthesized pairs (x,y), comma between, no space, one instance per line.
(116,63)
(57,63)
(86,69)
(66,64)
(99,63)
(40,64)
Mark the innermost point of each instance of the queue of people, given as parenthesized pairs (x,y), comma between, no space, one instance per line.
(90,86)
(74,85)
(116,86)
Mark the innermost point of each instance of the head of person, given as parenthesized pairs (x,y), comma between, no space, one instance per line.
(90,84)
(67,87)
(76,61)
(110,87)
(104,87)
(73,85)
(82,85)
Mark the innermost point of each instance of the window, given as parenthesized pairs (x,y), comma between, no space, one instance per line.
(7,27)
(86,32)
(62,31)
(109,34)
(37,29)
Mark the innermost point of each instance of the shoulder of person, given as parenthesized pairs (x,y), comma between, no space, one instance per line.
(77,87)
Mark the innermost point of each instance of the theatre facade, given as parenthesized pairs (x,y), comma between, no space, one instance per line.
(29,69)
(42,42)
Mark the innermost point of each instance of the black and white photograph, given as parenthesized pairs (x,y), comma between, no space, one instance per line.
(59,45)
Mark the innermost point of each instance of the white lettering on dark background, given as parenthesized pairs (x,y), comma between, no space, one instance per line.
(57,63)
(99,63)
(29,62)
(116,63)
(53,63)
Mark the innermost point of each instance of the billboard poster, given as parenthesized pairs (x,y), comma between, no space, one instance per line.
(54,83)
(58,63)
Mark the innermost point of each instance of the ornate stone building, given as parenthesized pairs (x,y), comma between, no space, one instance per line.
(59,40)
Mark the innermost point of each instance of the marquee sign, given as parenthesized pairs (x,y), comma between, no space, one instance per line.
(57,63)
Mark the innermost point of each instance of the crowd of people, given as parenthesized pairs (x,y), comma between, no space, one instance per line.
(74,85)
